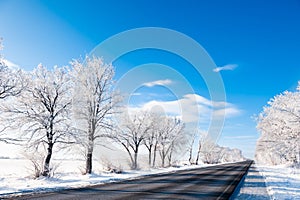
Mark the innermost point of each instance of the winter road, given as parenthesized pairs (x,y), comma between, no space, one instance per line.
(215,182)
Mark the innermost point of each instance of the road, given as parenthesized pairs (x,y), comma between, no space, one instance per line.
(215,182)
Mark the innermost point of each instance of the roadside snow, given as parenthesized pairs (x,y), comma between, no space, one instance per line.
(252,186)
(265,182)
(16,176)
(282,182)
(260,183)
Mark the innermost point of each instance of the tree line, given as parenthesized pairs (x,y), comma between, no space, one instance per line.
(57,108)
(279,126)
(76,105)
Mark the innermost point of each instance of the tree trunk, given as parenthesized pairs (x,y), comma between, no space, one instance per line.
(191,150)
(46,170)
(170,155)
(89,158)
(90,148)
(198,154)
(170,158)
(191,154)
(150,156)
(135,165)
(129,153)
(163,157)
(154,154)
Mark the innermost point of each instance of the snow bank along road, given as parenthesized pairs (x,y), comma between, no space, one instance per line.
(215,182)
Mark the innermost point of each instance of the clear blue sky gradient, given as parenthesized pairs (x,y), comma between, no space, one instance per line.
(261,37)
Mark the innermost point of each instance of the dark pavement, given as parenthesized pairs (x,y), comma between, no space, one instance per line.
(215,182)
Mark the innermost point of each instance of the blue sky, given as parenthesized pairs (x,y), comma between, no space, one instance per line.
(260,38)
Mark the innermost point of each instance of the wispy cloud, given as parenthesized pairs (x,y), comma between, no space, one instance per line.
(136,94)
(192,107)
(10,64)
(158,82)
(225,67)
(238,137)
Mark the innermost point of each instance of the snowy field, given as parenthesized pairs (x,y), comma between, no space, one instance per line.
(253,186)
(282,182)
(16,176)
(265,182)
(260,183)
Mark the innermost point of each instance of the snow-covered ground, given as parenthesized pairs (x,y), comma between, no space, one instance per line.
(265,182)
(261,182)
(282,182)
(252,186)
(16,176)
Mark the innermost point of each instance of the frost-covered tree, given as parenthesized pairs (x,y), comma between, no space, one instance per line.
(202,136)
(279,125)
(42,110)
(211,153)
(94,101)
(190,149)
(132,131)
(151,138)
(232,155)
(170,137)
(10,82)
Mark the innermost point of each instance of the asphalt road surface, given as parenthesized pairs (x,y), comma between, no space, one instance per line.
(215,182)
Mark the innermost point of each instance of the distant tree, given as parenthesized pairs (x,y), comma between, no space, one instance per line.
(94,102)
(191,146)
(210,152)
(232,155)
(279,125)
(151,138)
(169,136)
(42,111)
(132,131)
(202,136)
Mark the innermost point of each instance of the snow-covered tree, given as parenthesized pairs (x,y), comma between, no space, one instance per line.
(279,125)
(132,131)
(93,101)
(42,110)
(10,82)
(170,137)
(211,153)
(202,136)
(232,155)
(151,138)
(190,149)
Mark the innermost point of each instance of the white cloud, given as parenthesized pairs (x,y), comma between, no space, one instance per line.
(228,111)
(158,82)
(136,94)
(10,64)
(225,67)
(192,108)
(241,137)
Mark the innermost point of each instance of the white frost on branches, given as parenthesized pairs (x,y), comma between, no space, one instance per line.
(11,83)
(42,110)
(279,125)
(94,101)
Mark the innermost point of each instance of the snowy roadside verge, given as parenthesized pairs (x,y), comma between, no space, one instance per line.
(282,182)
(252,186)
(265,182)
(15,181)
